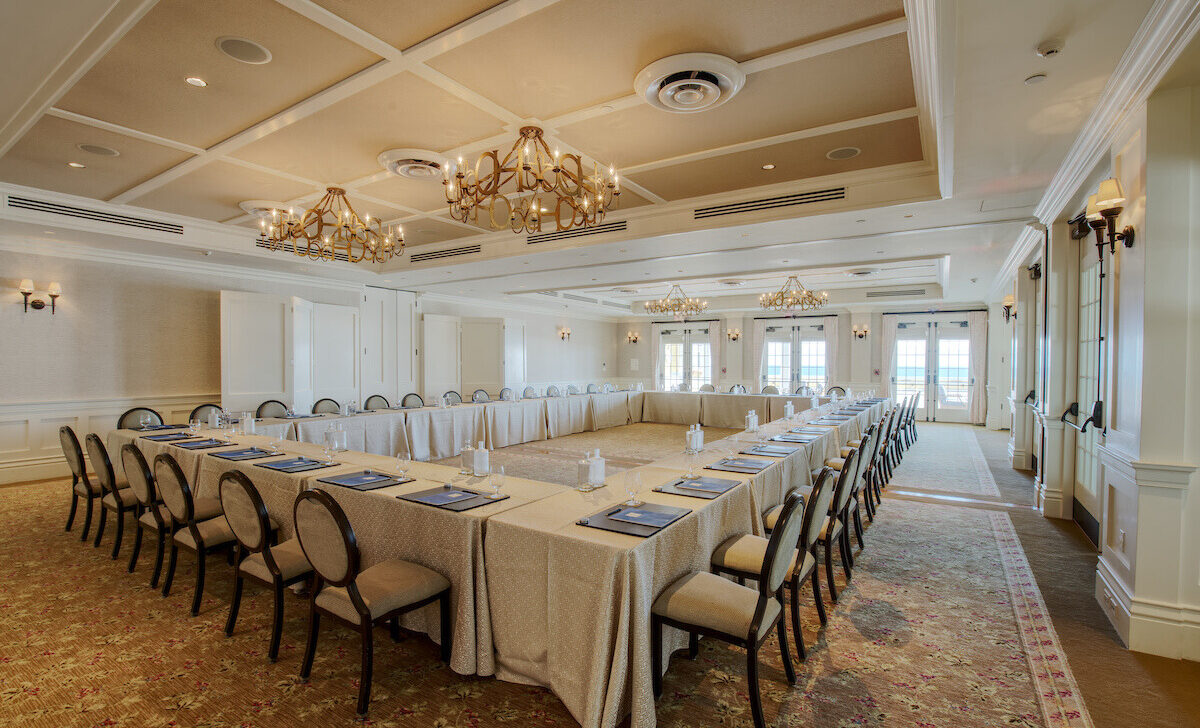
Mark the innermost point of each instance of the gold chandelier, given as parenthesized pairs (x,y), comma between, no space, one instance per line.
(793,296)
(332,228)
(676,304)
(530,185)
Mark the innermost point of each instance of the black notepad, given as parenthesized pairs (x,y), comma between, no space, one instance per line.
(296,465)
(365,480)
(749,466)
(703,487)
(246,453)
(451,498)
(644,520)
(168,437)
(202,444)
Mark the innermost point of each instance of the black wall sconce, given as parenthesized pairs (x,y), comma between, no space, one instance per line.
(54,290)
(564,333)
(1102,211)
(733,334)
(1009,308)
(632,337)
(860,332)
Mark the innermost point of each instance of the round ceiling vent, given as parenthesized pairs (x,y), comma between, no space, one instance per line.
(260,208)
(419,164)
(842,153)
(101,150)
(625,290)
(243,50)
(732,282)
(689,82)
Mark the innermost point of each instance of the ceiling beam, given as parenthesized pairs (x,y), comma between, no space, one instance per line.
(122,130)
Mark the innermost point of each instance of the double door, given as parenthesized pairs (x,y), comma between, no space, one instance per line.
(687,358)
(933,361)
(794,356)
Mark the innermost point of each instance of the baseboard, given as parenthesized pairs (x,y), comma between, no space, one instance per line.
(1114,599)
(1156,628)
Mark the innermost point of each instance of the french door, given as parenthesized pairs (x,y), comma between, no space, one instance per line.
(687,359)
(793,357)
(933,361)
(1087,472)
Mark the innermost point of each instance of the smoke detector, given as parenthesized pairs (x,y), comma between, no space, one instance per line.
(418,164)
(243,50)
(689,82)
(1049,48)
(260,209)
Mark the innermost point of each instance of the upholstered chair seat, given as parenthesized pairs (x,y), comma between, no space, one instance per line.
(213,532)
(147,517)
(836,463)
(713,602)
(747,553)
(289,557)
(205,509)
(384,587)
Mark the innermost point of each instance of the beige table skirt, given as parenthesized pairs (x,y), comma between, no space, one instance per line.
(729,410)
(569,415)
(610,409)
(512,423)
(381,432)
(439,432)
(678,408)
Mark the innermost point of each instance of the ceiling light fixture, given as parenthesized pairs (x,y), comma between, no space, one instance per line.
(332,227)
(509,190)
(1102,211)
(768,167)
(843,153)
(76,165)
(196,81)
(793,295)
(98,149)
(676,304)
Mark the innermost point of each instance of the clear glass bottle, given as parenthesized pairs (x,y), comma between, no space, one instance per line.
(479,465)
(467,456)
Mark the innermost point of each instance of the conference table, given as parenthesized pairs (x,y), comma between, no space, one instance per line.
(537,598)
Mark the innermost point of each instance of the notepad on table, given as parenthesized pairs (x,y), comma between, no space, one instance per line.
(643,517)
(168,437)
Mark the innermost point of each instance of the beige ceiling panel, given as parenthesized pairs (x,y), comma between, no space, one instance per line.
(213,192)
(140,82)
(853,83)
(580,52)
(341,143)
(404,23)
(40,159)
(429,230)
(881,144)
(424,195)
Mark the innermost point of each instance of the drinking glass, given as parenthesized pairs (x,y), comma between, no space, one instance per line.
(193,426)
(330,445)
(690,457)
(496,480)
(633,486)
(276,445)
(144,420)
(402,465)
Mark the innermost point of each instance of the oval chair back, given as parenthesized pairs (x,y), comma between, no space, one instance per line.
(137,472)
(203,411)
(412,399)
(737,389)
(781,549)
(506,395)
(246,514)
(325,405)
(845,482)
(452,397)
(770,389)
(173,487)
(528,392)
(102,465)
(593,389)
(74,455)
(819,500)
(606,387)
(132,417)
(869,441)
(552,391)
(328,541)
(841,392)
(480,395)
(376,402)
(572,389)
(707,388)
(271,408)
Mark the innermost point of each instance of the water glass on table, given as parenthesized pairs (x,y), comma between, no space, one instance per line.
(632,480)
(496,480)
(403,465)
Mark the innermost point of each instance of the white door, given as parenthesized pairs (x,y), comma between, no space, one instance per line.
(910,372)
(335,363)
(1087,470)
(406,348)
(255,333)
(514,353)
(379,351)
(686,358)
(794,356)
(440,361)
(482,356)
(300,356)
(933,361)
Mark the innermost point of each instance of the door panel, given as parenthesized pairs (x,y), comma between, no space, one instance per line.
(953,374)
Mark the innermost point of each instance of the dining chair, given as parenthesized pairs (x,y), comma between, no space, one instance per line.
(743,556)
(834,531)
(770,389)
(553,391)
(412,399)
(683,387)
(853,509)
(528,392)
(154,514)
(204,411)
(277,566)
(737,389)
(841,391)
(271,408)
(202,525)
(116,498)
(707,388)
(506,394)
(606,388)
(81,485)
(376,402)
(452,397)
(592,389)
(361,599)
(704,603)
(131,417)
(325,405)
(480,395)
(572,389)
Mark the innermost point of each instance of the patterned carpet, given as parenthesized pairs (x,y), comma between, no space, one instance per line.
(961,470)
(942,627)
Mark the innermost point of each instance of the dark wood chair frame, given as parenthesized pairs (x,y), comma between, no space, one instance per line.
(188,520)
(74,455)
(121,424)
(475,396)
(837,510)
(367,403)
(406,402)
(366,624)
(258,412)
(751,641)
(508,391)
(108,485)
(163,530)
(263,545)
(840,390)
(737,389)
(454,396)
(858,485)
(195,413)
(325,399)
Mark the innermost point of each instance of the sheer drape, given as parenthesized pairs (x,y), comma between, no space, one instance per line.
(977,404)
(714,344)
(656,355)
(888,342)
(758,346)
(831,351)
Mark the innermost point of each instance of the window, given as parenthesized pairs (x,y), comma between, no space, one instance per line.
(1086,470)
(701,364)
(672,365)
(910,368)
(812,364)
(685,358)
(954,373)
(779,364)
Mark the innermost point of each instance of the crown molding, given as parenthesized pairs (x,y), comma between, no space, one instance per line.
(928,85)
(570,308)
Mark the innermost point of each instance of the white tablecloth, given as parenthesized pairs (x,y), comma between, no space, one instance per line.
(439,432)
(512,423)
(610,410)
(568,415)
(679,408)
(729,410)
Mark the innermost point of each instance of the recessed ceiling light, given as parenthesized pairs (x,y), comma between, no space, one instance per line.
(243,50)
(98,149)
(768,167)
(1035,78)
(598,279)
(196,81)
(843,153)
(76,165)
(860,220)
(909,215)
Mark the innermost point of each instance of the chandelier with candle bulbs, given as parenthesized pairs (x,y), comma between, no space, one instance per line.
(528,186)
(676,304)
(793,296)
(332,229)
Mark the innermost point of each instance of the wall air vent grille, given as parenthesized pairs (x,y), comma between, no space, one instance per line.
(581,299)
(618,306)
(552,294)
(770,203)
(262,243)
(608,227)
(82,213)
(447,253)
(896,294)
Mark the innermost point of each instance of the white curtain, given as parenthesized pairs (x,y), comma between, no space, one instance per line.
(714,345)
(758,346)
(831,351)
(977,402)
(656,355)
(888,342)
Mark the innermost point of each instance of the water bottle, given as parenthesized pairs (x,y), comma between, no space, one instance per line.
(467,456)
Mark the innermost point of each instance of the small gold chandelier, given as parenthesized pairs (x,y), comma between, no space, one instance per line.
(529,185)
(676,304)
(330,229)
(793,296)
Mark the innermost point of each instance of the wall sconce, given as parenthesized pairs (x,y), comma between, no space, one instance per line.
(564,333)
(1009,308)
(733,334)
(632,337)
(860,332)
(1102,211)
(54,290)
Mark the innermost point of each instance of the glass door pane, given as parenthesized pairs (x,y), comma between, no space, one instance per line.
(673,365)
(812,364)
(778,363)
(700,367)
(908,378)
(953,375)
(1088,378)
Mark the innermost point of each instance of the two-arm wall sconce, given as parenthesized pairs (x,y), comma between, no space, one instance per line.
(1102,211)
(564,333)
(54,290)
(632,337)
(860,332)
(1009,308)
(733,334)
